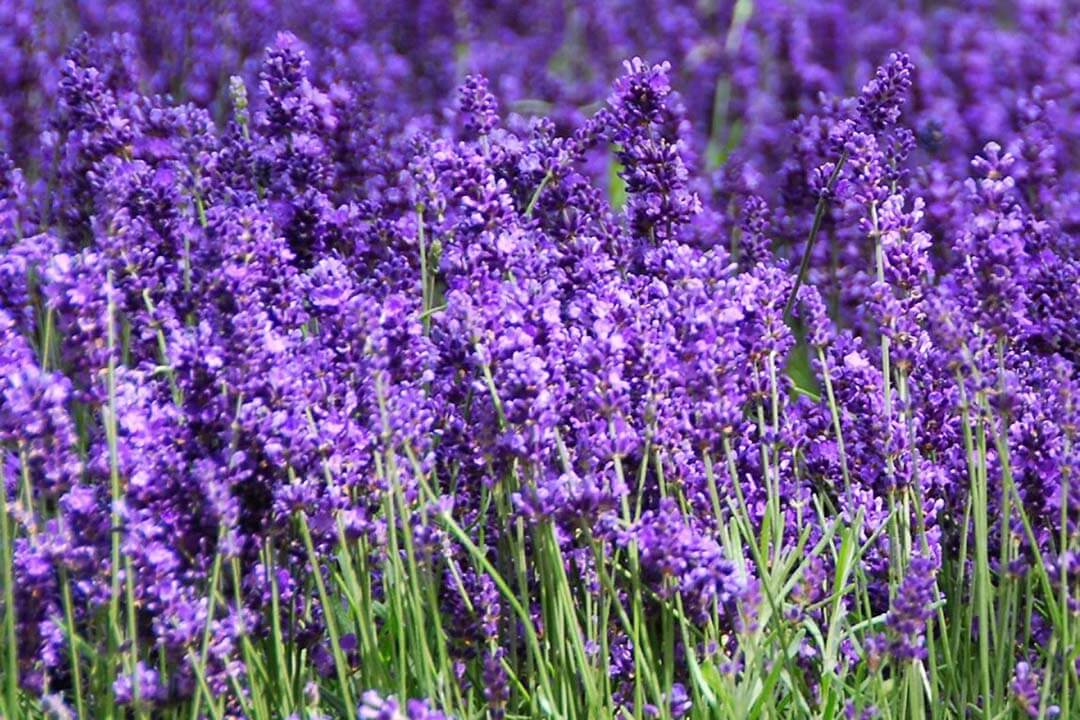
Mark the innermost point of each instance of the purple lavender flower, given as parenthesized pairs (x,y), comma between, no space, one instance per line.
(911,609)
(144,681)
(755,241)
(478,106)
(882,97)
(34,419)
(1025,690)
(673,550)
(496,683)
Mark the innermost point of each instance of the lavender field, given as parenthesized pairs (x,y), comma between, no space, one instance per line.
(464,359)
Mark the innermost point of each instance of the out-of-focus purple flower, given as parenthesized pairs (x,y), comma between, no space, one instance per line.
(1026,693)
(374,706)
(144,683)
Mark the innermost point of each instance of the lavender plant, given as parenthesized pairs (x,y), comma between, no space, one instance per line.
(350,374)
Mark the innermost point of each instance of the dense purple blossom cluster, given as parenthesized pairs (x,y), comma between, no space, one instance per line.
(307,298)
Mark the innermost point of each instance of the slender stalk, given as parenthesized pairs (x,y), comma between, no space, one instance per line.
(526,620)
(11,645)
(536,194)
(200,663)
(276,636)
(425,292)
(1064,546)
(116,525)
(330,616)
(815,228)
(983,586)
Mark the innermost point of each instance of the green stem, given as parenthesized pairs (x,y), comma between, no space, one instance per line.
(819,218)
(330,616)
(116,524)
(11,655)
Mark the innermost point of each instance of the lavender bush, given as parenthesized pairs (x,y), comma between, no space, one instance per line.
(419,360)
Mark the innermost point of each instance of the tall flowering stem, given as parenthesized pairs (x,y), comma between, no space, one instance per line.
(820,210)
(11,647)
